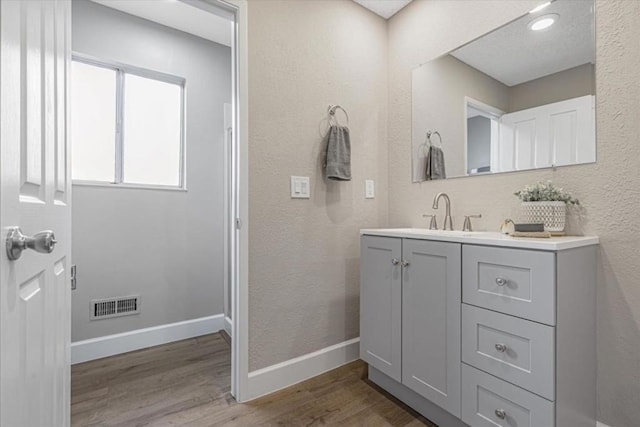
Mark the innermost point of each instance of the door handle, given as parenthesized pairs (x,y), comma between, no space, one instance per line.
(42,242)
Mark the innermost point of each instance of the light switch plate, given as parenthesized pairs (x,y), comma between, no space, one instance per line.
(300,188)
(369,189)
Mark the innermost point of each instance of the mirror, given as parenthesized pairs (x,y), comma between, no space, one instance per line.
(520,97)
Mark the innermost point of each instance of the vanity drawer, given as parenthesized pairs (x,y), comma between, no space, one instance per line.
(512,281)
(489,401)
(516,350)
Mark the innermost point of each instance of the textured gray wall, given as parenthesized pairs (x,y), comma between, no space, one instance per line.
(607,189)
(164,245)
(304,254)
(567,84)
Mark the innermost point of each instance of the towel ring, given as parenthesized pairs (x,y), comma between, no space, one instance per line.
(424,147)
(429,133)
(332,114)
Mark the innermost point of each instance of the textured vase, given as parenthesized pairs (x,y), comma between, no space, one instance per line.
(552,214)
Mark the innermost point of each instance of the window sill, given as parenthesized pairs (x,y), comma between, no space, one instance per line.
(128,186)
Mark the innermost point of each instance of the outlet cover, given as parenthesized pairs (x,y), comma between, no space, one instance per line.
(369,189)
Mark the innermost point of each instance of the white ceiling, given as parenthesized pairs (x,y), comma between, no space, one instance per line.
(514,54)
(384,8)
(179,15)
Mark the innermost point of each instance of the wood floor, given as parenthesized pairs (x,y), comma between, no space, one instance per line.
(187,383)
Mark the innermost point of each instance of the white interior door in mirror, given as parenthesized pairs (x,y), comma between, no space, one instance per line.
(557,134)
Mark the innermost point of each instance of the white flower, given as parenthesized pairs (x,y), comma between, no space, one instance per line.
(545,191)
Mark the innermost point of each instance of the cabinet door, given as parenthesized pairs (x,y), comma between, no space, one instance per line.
(381,304)
(431,321)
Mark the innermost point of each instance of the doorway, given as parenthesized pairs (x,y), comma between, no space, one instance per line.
(482,135)
(153,164)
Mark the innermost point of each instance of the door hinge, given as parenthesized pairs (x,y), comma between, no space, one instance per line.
(74,281)
(238,223)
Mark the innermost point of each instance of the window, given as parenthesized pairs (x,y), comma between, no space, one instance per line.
(126,125)
(93,121)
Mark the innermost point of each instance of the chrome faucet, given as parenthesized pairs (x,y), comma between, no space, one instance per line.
(448,223)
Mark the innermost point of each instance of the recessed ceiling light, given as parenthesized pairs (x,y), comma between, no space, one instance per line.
(540,7)
(543,22)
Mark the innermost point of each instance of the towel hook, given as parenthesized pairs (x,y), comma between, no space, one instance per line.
(429,133)
(332,114)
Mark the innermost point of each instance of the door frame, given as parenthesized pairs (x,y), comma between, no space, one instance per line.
(240,204)
(238,194)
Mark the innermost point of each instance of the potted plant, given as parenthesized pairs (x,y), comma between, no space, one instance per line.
(544,203)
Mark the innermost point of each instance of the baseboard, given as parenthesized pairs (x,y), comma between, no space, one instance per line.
(110,345)
(227,325)
(285,374)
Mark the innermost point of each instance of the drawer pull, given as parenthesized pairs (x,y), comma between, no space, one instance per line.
(501,347)
(405,263)
(501,281)
(501,413)
(395,261)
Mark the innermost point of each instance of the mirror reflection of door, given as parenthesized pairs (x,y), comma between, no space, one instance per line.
(483,133)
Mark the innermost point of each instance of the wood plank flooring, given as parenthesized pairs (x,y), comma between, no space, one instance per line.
(187,383)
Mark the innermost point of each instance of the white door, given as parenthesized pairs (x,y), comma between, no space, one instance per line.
(35,196)
(228,161)
(557,134)
(572,131)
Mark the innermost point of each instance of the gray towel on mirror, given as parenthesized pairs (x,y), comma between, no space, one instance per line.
(338,162)
(435,164)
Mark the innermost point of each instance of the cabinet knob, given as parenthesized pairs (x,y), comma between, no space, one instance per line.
(395,261)
(501,347)
(501,281)
(405,263)
(501,413)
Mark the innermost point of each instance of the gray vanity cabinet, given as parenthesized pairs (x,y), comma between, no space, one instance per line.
(410,315)
(481,329)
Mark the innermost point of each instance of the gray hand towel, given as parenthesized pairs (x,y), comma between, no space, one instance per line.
(338,163)
(435,164)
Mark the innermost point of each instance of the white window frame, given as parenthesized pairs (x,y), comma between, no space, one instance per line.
(122,69)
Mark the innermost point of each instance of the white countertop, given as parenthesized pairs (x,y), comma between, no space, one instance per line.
(488,238)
